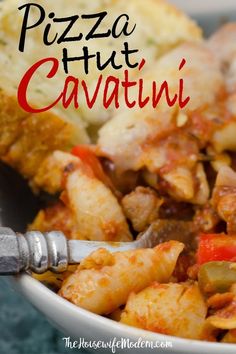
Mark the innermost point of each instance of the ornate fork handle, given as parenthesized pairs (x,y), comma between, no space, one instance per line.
(34,250)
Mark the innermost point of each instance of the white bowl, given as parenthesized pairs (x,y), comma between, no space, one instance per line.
(78,323)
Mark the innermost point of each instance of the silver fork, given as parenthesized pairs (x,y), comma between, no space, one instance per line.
(40,252)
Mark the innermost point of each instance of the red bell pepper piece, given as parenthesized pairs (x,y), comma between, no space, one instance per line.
(88,157)
(216,247)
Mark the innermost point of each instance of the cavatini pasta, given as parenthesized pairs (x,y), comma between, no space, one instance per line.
(161,165)
(154,165)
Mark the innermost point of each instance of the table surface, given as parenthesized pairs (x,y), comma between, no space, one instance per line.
(23,330)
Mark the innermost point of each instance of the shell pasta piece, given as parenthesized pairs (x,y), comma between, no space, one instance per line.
(103,281)
(173,309)
(95,209)
(88,208)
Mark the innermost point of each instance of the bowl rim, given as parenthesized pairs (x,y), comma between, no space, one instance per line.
(28,285)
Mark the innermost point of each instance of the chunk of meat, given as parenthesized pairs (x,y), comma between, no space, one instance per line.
(224,197)
(206,218)
(141,207)
(172,309)
(104,281)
